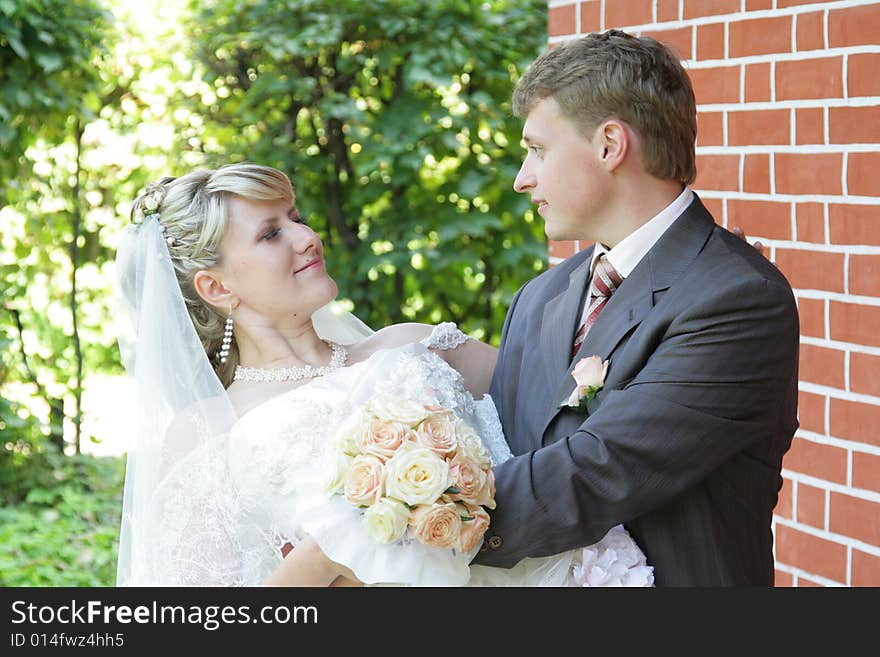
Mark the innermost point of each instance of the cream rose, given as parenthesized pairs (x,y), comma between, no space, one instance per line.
(472,531)
(396,409)
(416,475)
(471,447)
(345,438)
(336,466)
(438,525)
(437,433)
(383,438)
(386,520)
(363,481)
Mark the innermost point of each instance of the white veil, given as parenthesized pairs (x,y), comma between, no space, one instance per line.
(177,498)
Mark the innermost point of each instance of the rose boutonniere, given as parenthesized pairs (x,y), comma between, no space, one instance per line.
(589,377)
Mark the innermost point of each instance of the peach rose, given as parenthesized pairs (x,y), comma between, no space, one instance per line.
(437,433)
(383,438)
(472,531)
(364,480)
(468,477)
(438,525)
(589,377)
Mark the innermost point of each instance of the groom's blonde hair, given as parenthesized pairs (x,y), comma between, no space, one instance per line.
(194,214)
(617,75)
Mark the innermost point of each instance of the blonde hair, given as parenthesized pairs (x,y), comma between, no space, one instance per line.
(617,75)
(194,213)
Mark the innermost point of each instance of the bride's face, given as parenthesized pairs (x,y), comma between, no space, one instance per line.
(273,262)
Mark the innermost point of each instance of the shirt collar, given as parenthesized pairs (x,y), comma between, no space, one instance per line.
(629,252)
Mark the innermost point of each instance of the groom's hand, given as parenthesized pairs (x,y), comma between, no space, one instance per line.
(758,245)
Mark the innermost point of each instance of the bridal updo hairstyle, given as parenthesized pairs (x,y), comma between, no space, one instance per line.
(194,213)
(617,75)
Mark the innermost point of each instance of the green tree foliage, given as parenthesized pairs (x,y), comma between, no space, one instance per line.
(393,118)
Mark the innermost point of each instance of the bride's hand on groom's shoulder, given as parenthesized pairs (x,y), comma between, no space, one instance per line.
(762,249)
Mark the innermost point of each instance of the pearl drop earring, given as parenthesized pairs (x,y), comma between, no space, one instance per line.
(227,337)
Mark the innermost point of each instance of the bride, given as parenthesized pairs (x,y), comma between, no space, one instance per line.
(245,369)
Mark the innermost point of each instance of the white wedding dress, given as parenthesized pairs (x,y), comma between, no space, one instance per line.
(259,487)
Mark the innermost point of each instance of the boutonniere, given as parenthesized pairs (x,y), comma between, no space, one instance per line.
(589,377)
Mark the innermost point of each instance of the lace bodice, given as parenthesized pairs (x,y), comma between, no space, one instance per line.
(273,444)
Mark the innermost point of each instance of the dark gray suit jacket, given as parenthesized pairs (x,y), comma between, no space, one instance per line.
(684,443)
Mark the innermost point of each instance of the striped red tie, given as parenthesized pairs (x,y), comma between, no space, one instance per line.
(605,281)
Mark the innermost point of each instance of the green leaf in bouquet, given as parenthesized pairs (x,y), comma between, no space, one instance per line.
(452,490)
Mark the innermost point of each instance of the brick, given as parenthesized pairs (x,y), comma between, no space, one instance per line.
(811,506)
(854,125)
(864,275)
(591,16)
(782,4)
(812,317)
(710,128)
(854,224)
(864,374)
(854,26)
(756,173)
(760,36)
(866,471)
(810,31)
(809,78)
(622,13)
(821,365)
(697,8)
(757,5)
(715,85)
(863,173)
(809,125)
(863,75)
(811,553)
(811,414)
(804,582)
(810,219)
(667,10)
(758,127)
(561,249)
(562,20)
(717,173)
(865,569)
(784,507)
(680,40)
(818,460)
(783,579)
(757,83)
(710,41)
(855,517)
(812,270)
(851,420)
(808,173)
(766,219)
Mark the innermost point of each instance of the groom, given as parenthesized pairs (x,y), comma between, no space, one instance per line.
(683,443)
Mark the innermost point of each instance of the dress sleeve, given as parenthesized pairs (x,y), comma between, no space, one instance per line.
(445,336)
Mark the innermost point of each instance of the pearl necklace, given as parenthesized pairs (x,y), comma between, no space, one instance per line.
(263,375)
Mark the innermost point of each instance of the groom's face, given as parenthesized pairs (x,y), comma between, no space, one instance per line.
(562,174)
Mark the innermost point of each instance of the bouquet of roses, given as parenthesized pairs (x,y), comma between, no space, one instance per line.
(416,471)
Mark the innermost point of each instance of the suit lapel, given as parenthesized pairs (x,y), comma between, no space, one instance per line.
(631,303)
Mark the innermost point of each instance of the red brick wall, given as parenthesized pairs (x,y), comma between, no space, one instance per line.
(788,95)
